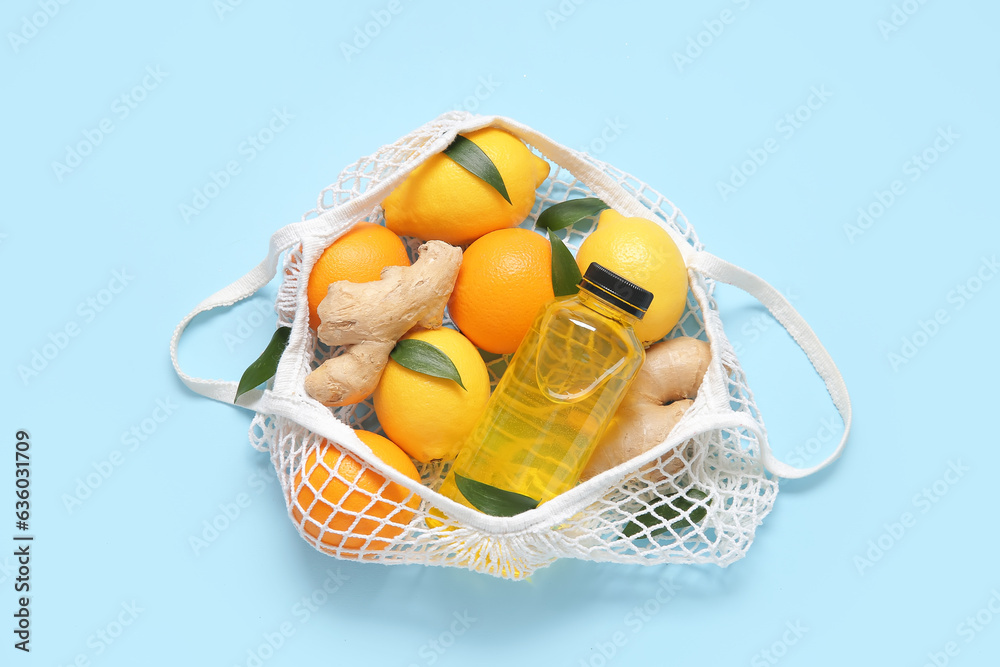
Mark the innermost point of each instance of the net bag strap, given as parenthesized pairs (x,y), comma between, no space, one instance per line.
(260,275)
(327,223)
(719,269)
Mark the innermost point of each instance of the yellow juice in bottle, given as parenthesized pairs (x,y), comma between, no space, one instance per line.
(559,392)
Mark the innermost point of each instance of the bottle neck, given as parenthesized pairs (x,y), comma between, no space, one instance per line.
(605,308)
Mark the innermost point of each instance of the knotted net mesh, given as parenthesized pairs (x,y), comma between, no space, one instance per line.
(696,498)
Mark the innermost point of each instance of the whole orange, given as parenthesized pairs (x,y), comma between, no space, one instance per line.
(506,276)
(334,515)
(358,256)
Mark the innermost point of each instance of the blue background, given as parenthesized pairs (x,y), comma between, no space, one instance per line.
(571,70)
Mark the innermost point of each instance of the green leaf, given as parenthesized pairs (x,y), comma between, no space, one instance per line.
(491,500)
(266,364)
(569,212)
(565,273)
(667,512)
(422,357)
(472,158)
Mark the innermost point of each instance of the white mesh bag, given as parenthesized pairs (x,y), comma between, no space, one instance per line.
(719,448)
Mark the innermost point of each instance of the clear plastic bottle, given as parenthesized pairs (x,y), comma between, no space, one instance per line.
(559,392)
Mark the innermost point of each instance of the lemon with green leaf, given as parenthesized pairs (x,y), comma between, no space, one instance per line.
(443,200)
(429,416)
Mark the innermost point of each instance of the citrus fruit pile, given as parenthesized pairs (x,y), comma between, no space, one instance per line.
(434,383)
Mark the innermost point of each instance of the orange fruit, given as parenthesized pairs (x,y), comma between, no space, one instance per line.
(358,256)
(506,276)
(440,199)
(334,515)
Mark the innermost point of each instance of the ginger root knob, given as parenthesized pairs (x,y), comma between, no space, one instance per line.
(368,318)
(662,392)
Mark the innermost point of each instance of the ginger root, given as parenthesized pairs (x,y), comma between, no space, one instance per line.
(368,318)
(662,392)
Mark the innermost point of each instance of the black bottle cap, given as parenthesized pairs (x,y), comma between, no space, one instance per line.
(617,291)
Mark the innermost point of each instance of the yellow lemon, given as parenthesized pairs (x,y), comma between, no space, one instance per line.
(429,417)
(641,251)
(442,200)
